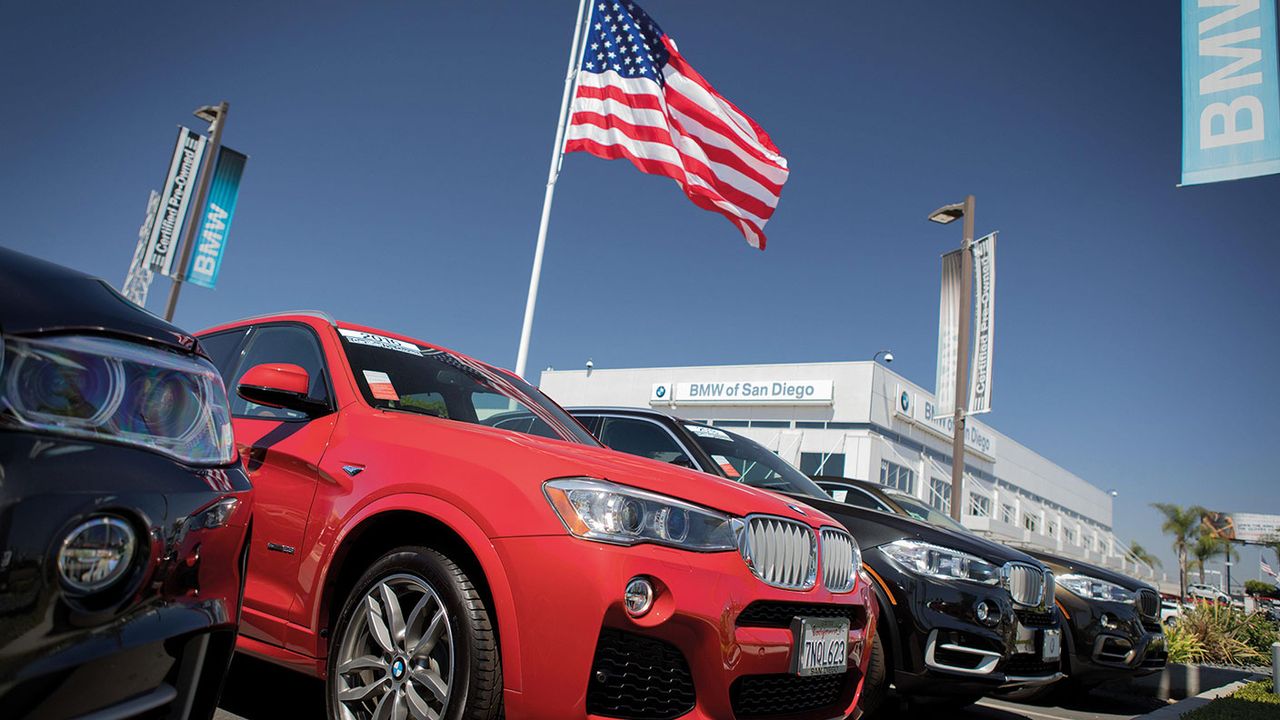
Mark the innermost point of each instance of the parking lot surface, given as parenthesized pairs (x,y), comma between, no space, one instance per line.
(257,690)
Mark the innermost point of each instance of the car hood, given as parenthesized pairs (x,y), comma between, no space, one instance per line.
(37,297)
(873,528)
(573,460)
(1064,566)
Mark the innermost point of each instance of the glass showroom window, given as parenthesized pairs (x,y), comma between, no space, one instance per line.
(822,464)
(940,495)
(898,477)
(1008,514)
(979,505)
(1031,522)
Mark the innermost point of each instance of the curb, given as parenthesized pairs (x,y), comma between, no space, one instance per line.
(1178,709)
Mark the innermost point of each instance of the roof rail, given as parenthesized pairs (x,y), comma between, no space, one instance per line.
(310,313)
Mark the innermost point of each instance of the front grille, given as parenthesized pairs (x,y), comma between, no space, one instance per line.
(1036,619)
(840,560)
(785,694)
(638,678)
(1149,603)
(763,613)
(781,552)
(1027,584)
(1028,665)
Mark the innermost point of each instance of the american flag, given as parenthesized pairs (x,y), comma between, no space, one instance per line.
(1267,569)
(638,99)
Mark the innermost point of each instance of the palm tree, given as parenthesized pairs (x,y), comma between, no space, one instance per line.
(1204,549)
(1139,554)
(1183,524)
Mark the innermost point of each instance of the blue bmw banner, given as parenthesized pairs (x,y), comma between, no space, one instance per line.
(215,221)
(1230,97)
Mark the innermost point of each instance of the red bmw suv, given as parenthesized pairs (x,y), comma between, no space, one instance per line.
(429,564)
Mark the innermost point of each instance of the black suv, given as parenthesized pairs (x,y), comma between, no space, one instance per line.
(960,617)
(124,516)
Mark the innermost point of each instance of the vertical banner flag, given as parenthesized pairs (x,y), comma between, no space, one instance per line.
(984,317)
(215,222)
(948,333)
(637,98)
(1230,92)
(175,196)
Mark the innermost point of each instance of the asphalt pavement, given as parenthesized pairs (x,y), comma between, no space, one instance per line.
(257,690)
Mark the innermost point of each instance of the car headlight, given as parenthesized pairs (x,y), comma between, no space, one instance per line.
(941,562)
(612,513)
(1091,588)
(116,391)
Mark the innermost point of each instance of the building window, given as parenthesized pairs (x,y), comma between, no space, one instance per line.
(1052,527)
(1070,534)
(822,464)
(898,477)
(940,495)
(979,505)
(1008,514)
(1031,522)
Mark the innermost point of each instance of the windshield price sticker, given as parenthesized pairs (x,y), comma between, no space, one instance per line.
(380,385)
(706,432)
(380,341)
(821,646)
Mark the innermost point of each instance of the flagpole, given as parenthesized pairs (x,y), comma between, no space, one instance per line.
(557,153)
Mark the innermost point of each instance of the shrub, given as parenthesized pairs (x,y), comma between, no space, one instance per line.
(1221,636)
(1255,701)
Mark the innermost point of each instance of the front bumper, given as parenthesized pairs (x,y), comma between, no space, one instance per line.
(1110,640)
(942,649)
(696,644)
(159,638)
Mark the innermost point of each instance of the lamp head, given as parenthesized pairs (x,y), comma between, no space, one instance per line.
(888,357)
(947,213)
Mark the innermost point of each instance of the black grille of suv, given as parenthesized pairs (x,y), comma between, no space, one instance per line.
(1149,603)
(784,694)
(779,614)
(638,678)
(1028,665)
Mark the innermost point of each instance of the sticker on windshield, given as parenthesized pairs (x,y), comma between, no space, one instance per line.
(729,470)
(380,385)
(381,341)
(706,432)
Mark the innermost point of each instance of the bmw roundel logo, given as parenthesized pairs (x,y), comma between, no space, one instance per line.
(905,401)
(661,391)
(397,668)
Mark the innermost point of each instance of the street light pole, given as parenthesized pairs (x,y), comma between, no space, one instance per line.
(217,117)
(962,360)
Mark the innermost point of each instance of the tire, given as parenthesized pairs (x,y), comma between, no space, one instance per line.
(875,688)
(414,635)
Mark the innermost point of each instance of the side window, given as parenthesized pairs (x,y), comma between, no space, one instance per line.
(592,422)
(223,350)
(280,344)
(854,496)
(643,438)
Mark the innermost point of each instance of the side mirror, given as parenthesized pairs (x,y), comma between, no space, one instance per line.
(279,385)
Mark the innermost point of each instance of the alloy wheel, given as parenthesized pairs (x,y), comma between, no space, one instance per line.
(396,656)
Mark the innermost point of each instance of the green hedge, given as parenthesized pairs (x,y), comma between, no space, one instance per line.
(1255,701)
(1221,636)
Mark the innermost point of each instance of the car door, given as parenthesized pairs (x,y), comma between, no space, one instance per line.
(281,450)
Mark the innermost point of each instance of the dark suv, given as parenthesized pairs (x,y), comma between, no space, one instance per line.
(961,617)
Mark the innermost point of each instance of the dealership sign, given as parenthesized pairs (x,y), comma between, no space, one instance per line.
(174,201)
(922,410)
(745,392)
(215,222)
(1230,97)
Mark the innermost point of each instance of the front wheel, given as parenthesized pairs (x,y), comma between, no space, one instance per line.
(414,640)
(875,687)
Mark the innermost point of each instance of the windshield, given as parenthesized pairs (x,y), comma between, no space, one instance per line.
(927,513)
(397,375)
(749,462)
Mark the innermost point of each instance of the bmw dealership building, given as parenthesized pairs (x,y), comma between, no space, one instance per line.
(860,420)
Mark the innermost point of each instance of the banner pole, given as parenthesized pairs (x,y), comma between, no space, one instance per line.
(962,362)
(193,218)
(557,151)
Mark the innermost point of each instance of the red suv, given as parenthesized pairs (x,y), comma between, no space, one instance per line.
(428,564)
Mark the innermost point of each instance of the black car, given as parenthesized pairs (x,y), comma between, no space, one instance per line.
(960,617)
(1112,624)
(1111,621)
(124,514)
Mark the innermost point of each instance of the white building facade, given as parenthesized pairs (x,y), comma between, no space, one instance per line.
(860,420)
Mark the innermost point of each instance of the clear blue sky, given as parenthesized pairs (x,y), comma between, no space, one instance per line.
(398,153)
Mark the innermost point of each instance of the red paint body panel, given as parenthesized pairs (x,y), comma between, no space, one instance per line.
(552,593)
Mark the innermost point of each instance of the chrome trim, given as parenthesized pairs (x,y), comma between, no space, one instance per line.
(1012,681)
(774,549)
(986,666)
(1027,584)
(841,560)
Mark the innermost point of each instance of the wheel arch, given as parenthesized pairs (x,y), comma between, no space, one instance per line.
(396,521)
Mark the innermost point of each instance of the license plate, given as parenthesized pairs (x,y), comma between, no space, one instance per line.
(1052,645)
(821,646)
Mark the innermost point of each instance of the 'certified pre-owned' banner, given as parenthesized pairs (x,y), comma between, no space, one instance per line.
(1230,97)
(174,199)
(984,318)
(215,222)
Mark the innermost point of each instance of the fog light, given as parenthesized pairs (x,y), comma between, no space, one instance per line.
(639,596)
(987,613)
(96,554)
(1109,621)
